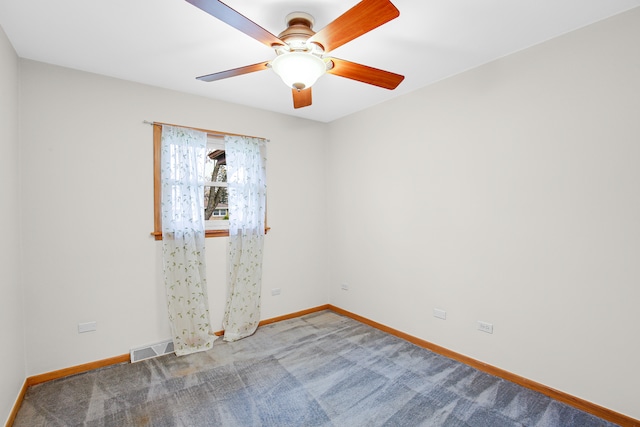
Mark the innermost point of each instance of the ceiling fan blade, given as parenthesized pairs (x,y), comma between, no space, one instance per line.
(238,21)
(360,19)
(234,72)
(365,74)
(301,98)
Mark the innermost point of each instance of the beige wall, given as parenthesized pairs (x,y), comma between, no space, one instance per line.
(516,189)
(12,368)
(87,206)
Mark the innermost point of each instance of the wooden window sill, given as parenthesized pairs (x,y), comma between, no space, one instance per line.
(208,233)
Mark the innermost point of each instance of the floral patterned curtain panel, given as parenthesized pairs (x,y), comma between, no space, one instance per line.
(182,172)
(246,180)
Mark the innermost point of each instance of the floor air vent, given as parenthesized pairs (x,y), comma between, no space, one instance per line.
(150,351)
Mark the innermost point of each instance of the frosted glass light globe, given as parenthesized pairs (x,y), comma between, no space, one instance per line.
(298,70)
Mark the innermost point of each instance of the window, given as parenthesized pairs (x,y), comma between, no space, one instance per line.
(216,212)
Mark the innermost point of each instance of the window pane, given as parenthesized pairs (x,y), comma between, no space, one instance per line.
(215,202)
(215,170)
(215,166)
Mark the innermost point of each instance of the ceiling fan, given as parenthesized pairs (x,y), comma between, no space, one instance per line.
(300,51)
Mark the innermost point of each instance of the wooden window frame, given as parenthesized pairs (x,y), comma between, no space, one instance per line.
(157,184)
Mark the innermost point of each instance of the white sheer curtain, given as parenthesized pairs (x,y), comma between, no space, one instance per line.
(182,176)
(246,180)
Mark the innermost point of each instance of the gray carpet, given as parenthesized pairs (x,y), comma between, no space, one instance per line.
(322,369)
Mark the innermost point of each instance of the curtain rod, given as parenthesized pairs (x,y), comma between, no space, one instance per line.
(215,133)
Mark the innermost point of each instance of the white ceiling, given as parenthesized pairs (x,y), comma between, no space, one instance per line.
(167,43)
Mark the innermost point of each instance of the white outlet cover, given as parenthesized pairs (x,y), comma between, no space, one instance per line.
(440,314)
(87,327)
(485,327)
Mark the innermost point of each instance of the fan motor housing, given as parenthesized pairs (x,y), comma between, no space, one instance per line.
(299,30)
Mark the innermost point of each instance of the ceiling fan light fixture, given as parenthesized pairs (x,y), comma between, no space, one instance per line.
(300,50)
(299,70)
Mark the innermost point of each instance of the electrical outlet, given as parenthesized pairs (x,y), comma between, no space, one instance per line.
(87,327)
(275,292)
(440,314)
(485,327)
(344,287)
